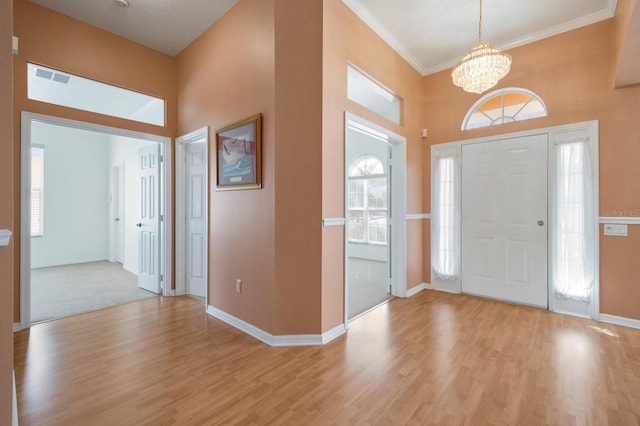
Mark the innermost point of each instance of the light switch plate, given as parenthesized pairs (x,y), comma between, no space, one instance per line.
(616,230)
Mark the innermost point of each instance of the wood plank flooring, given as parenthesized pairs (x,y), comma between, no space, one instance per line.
(433,359)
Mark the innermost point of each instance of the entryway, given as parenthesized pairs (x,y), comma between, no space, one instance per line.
(374,188)
(192,162)
(99,215)
(515,218)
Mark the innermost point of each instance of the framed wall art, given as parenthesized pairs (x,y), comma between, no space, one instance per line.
(239,155)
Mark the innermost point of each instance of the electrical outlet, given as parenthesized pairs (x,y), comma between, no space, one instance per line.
(239,286)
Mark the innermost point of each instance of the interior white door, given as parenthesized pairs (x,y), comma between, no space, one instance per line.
(149,219)
(196,223)
(504,219)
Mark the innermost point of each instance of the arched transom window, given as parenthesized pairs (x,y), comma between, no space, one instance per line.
(367,200)
(504,106)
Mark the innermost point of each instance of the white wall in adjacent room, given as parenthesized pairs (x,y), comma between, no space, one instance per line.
(76,190)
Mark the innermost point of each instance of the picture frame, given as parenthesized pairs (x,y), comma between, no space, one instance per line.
(239,155)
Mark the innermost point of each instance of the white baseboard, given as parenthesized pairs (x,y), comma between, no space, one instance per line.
(627,322)
(282,340)
(16,327)
(417,289)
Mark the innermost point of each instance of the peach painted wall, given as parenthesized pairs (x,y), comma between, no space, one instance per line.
(298,242)
(224,76)
(626,42)
(6,212)
(55,40)
(348,39)
(573,74)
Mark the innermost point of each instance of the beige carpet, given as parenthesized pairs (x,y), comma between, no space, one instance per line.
(61,291)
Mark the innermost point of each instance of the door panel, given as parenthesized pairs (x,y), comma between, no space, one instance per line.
(196,211)
(149,219)
(504,211)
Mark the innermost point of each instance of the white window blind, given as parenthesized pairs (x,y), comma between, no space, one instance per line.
(445,227)
(37,191)
(574,237)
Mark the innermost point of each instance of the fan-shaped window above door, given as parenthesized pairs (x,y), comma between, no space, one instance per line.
(504,106)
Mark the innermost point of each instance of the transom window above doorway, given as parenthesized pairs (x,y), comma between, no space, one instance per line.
(504,106)
(69,90)
(372,95)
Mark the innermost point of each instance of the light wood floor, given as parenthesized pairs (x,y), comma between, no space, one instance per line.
(435,358)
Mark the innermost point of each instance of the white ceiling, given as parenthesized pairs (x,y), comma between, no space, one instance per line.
(165,25)
(430,34)
(433,35)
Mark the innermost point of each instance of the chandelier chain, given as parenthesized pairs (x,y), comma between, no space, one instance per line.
(480,24)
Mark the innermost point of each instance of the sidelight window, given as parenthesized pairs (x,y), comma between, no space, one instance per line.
(445,226)
(574,236)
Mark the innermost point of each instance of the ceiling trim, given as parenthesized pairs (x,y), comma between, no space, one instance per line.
(366,17)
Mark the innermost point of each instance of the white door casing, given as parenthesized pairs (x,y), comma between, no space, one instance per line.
(196,215)
(504,226)
(397,208)
(149,219)
(198,137)
(27,118)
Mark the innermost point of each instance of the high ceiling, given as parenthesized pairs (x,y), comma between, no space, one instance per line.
(430,34)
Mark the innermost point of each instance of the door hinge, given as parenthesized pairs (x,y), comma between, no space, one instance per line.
(161,278)
(161,218)
(389,288)
(161,158)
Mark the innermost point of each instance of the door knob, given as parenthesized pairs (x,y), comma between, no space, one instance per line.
(540,222)
(139,225)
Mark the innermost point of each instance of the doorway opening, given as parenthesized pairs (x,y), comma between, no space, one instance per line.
(192,163)
(375,209)
(102,206)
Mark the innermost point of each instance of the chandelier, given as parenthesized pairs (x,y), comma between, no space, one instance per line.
(482,67)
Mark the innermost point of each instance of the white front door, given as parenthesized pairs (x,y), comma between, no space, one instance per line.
(504,225)
(196,219)
(149,219)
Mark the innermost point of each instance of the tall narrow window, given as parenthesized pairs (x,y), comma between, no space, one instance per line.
(444,241)
(574,236)
(37,190)
(367,200)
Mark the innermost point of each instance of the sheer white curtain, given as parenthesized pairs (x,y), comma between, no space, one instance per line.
(445,227)
(573,263)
